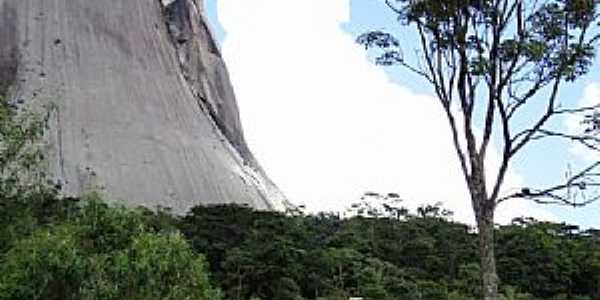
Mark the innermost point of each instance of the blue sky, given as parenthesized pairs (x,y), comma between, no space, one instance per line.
(542,165)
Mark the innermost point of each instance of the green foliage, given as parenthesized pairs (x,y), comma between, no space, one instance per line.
(456,295)
(52,248)
(103,252)
(547,40)
(156,266)
(510,293)
(47,265)
(19,153)
(23,194)
(422,256)
(100,251)
(105,228)
(432,290)
(468,279)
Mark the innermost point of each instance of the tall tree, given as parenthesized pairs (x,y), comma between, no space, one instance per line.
(490,62)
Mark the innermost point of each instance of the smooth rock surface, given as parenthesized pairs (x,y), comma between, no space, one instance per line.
(139,103)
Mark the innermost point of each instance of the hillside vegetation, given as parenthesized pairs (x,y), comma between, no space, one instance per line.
(66,248)
(86,249)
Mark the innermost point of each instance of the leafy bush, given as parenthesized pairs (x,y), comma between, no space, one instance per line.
(47,265)
(154,266)
(104,253)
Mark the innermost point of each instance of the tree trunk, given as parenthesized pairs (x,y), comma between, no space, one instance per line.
(484,208)
(489,277)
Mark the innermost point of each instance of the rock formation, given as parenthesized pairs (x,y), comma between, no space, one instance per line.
(140,106)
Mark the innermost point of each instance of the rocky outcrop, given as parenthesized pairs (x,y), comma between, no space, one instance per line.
(139,101)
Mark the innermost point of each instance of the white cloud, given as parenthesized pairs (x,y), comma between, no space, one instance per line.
(326,124)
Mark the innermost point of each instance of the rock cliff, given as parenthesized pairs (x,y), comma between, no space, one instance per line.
(140,107)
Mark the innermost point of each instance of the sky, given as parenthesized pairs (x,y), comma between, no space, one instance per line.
(328,125)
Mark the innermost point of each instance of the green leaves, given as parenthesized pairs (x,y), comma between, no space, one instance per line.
(20,156)
(556,38)
(551,39)
(87,249)
(47,265)
(161,266)
(104,252)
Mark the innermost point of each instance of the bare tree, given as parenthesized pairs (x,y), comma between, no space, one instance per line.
(489,63)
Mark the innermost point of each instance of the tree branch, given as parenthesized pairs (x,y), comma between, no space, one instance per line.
(581,182)
(541,121)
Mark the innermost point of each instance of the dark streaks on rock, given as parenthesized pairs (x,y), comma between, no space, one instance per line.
(9,46)
(128,100)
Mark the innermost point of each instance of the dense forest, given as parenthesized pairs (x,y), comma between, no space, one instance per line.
(87,249)
(53,247)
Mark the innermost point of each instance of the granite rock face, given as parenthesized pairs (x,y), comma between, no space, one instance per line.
(140,107)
